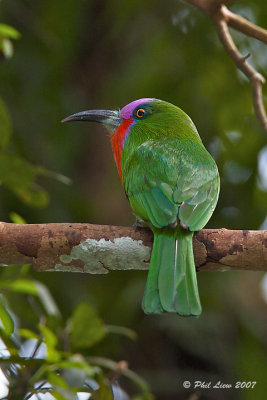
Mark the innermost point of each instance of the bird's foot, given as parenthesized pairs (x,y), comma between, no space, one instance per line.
(139,223)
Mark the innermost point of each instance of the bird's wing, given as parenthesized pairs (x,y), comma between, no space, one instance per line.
(200,200)
(169,179)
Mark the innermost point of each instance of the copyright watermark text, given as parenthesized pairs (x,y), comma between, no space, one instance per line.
(219,385)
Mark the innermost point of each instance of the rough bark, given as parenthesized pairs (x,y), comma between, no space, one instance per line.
(100,248)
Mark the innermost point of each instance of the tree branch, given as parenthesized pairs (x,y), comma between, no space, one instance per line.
(100,248)
(222,17)
(243,25)
(256,79)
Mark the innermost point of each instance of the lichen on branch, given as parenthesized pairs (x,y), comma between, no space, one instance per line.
(101,248)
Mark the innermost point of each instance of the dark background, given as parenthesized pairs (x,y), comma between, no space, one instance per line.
(77,55)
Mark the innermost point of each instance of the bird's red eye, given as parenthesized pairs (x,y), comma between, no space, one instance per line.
(140,112)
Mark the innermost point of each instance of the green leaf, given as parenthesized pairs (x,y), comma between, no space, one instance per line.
(69,364)
(55,175)
(51,342)
(16,218)
(103,362)
(56,380)
(20,286)
(34,196)
(46,299)
(19,176)
(50,338)
(86,327)
(5,126)
(28,334)
(9,31)
(6,320)
(121,330)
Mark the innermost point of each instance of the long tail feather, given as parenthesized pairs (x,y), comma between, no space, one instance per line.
(172,284)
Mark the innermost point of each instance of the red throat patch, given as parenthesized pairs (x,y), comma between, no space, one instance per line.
(117,141)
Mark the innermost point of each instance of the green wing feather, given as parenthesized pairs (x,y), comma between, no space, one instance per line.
(171,180)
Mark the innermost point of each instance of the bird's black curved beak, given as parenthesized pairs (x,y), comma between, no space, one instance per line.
(109,118)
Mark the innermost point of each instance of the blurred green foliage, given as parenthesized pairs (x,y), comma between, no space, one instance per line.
(77,55)
(16,173)
(42,357)
(7,33)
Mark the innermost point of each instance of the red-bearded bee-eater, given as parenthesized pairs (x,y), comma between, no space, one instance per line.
(172,183)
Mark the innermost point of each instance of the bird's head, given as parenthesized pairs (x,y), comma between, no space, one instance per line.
(153,114)
(141,120)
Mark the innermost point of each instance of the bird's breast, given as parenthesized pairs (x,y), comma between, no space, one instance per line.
(118,138)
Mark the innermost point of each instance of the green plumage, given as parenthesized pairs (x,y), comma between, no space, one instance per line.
(172,182)
(171,284)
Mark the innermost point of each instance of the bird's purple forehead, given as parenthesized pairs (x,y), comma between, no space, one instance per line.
(127,111)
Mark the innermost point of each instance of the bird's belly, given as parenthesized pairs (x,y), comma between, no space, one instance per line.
(138,209)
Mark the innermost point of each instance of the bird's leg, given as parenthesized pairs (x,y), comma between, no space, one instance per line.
(139,222)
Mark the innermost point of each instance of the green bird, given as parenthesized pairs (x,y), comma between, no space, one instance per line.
(172,184)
